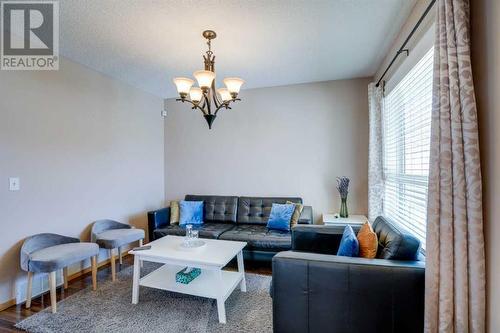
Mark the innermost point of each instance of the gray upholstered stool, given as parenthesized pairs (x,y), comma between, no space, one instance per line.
(112,235)
(47,253)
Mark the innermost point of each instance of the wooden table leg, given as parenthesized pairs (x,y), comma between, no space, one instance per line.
(52,286)
(113,264)
(120,257)
(135,281)
(29,289)
(241,269)
(94,272)
(65,277)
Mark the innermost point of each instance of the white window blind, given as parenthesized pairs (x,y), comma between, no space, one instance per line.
(406,140)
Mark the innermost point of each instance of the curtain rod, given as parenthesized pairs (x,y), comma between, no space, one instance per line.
(402,48)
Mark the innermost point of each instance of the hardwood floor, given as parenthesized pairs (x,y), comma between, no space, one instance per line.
(9,317)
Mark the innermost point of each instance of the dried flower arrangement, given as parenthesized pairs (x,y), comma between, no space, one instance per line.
(343,186)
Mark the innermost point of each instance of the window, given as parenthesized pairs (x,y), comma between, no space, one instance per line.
(406,140)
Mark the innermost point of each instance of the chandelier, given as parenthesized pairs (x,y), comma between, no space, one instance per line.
(206,97)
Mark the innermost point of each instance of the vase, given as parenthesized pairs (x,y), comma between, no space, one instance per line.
(343,208)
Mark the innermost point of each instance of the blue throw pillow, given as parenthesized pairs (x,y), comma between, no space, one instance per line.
(191,212)
(280,216)
(349,245)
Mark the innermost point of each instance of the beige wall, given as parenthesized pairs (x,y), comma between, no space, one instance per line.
(486,69)
(84,146)
(282,141)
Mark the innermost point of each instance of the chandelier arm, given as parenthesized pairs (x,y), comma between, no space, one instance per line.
(195,106)
(223,105)
(203,105)
(217,102)
(200,108)
(216,99)
(206,102)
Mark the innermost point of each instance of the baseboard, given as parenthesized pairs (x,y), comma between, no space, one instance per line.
(7,304)
(71,277)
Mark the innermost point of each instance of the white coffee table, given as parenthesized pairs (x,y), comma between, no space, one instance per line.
(213,282)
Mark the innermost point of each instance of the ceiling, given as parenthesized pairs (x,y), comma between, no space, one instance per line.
(266,42)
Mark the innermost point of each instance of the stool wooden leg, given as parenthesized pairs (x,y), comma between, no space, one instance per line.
(94,272)
(141,243)
(120,257)
(113,267)
(28,290)
(65,277)
(52,286)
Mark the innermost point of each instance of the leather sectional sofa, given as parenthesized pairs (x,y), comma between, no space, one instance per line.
(234,218)
(344,294)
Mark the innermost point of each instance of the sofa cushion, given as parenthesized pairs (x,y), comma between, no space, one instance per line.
(349,245)
(206,230)
(217,208)
(296,213)
(191,212)
(395,243)
(172,229)
(256,210)
(280,217)
(175,212)
(258,237)
(368,241)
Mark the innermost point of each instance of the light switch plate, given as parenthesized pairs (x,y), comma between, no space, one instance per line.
(14,184)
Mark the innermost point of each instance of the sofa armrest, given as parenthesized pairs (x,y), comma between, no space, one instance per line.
(350,294)
(318,238)
(306,217)
(157,219)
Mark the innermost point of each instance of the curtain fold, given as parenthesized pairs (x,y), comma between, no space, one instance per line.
(455,262)
(375,166)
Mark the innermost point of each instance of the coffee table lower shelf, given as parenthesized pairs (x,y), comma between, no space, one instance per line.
(208,284)
(217,284)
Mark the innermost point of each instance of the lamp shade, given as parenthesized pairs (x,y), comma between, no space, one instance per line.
(233,84)
(224,94)
(204,78)
(183,85)
(195,94)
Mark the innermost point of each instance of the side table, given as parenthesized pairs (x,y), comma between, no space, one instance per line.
(354,220)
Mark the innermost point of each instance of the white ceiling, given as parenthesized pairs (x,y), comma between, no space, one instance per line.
(266,42)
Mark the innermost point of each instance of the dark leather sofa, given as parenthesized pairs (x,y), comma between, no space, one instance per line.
(316,291)
(234,218)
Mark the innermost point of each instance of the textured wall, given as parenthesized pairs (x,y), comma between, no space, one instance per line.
(485,23)
(84,146)
(282,141)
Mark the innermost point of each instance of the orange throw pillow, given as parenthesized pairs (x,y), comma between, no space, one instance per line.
(368,241)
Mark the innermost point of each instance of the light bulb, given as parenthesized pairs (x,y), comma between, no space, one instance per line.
(204,78)
(196,94)
(183,85)
(233,84)
(224,94)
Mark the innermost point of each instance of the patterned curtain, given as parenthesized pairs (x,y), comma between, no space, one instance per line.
(455,263)
(375,167)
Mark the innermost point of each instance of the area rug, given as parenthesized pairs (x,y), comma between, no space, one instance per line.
(109,309)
